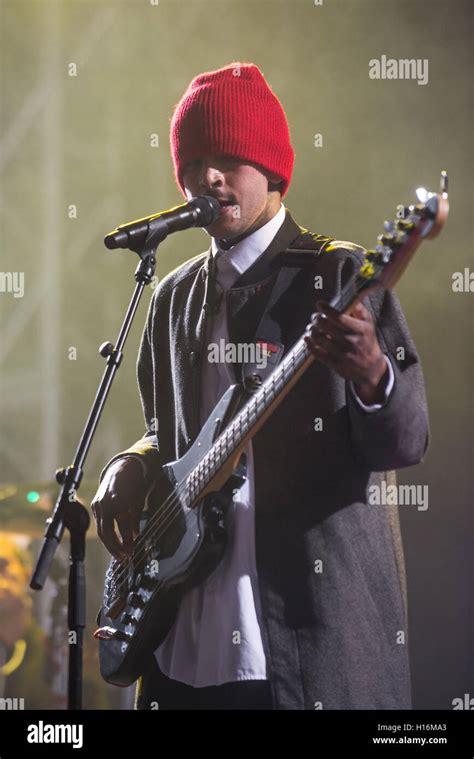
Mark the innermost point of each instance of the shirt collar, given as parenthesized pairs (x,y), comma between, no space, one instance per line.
(231,263)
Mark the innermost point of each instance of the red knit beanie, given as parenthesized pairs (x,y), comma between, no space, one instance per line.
(232,111)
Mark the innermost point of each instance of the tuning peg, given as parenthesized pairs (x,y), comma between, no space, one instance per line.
(402,212)
(406,224)
(402,237)
(384,251)
(422,194)
(389,226)
(416,211)
(386,238)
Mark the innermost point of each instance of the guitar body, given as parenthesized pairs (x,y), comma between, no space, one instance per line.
(186,544)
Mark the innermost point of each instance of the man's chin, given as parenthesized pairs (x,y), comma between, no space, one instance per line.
(224,229)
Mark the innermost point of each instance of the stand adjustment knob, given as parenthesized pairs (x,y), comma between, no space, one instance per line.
(106,349)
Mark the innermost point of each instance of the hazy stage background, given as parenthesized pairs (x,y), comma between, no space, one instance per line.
(87,91)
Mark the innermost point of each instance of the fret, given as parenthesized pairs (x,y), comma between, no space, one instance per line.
(260,399)
(254,408)
(276,383)
(211,468)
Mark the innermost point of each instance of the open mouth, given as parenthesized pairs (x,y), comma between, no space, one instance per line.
(224,203)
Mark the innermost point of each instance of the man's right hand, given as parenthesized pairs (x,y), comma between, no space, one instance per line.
(117,506)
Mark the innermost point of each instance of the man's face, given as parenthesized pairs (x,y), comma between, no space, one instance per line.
(242,189)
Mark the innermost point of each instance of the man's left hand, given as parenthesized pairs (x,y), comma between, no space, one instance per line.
(349,345)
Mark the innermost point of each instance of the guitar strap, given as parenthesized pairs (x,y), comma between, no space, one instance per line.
(268,334)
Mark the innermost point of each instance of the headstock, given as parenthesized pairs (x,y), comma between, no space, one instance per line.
(398,242)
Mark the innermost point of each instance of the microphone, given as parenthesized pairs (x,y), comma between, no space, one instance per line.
(199,212)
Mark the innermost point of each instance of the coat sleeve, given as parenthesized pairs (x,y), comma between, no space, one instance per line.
(397,434)
(146,449)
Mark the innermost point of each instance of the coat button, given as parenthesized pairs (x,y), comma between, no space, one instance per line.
(193,357)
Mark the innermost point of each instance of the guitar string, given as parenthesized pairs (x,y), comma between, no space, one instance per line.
(166,514)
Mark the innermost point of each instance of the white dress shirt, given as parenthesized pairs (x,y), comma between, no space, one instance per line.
(216,637)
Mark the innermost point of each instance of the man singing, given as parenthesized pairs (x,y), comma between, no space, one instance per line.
(307,609)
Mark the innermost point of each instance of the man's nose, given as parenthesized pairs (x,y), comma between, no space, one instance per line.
(210,177)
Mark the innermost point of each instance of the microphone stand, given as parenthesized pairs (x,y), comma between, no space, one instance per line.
(68,512)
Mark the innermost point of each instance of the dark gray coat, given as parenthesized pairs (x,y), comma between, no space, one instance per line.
(333,639)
